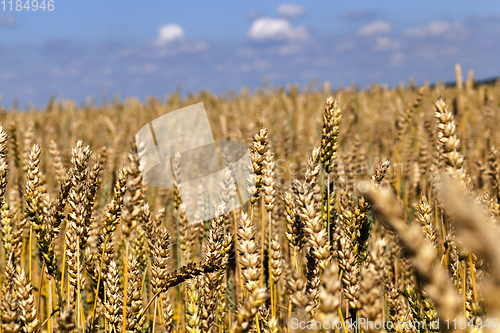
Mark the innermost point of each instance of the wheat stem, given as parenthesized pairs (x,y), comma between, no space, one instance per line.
(125,280)
(472,273)
(99,279)
(154,314)
(29,252)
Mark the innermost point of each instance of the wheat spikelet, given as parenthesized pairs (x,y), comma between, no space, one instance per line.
(424,217)
(6,220)
(297,289)
(380,172)
(193,311)
(167,313)
(403,126)
(91,187)
(370,297)
(257,154)
(294,227)
(317,235)
(27,144)
(423,155)
(17,238)
(65,321)
(10,319)
(216,251)
(313,282)
(494,174)
(429,311)
(36,211)
(411,296)
(113,209)
(248,310)
(16,152)
(3,166)
(228,190)
(26,302)
(458,77)
(276,260)
(184,241)
(7,229)
(133,200)
(159,247)
(350,278)
(268,181)
(222,305)
(449,143)
(75,228)
(3,144)
(273,325)
(57,210)
(329,134)
(249,253)
(329,293)
(105,250)
(177,180)
(134,299)
(91,266)
(58,165)
(139,249)
(114,298)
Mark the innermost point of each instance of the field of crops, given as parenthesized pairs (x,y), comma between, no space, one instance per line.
(379,205)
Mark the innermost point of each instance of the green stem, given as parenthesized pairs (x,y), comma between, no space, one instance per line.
(125,287)
(59,295)
(270,267)
(328,207)
(99,279)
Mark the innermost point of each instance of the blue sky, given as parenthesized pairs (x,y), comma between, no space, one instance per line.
(140,48)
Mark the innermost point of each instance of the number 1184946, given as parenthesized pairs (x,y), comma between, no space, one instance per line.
(27,5)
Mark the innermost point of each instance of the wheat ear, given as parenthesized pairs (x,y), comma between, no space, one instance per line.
(26,302)
(419,250)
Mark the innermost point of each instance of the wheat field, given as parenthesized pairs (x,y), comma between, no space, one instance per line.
(374,206)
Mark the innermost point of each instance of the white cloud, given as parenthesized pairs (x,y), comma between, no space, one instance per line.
(7,76)
(397,59)
(169,33)
(345,45)
(7,20)
(194,46)
(272,29)
(385,43)
(290,10)
(253,14)
(149,68)
(289,49)
(435,29)
(375,28)
(246,52)
(183,47)
(356,14)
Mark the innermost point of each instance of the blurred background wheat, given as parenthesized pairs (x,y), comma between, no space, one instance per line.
(379,203)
